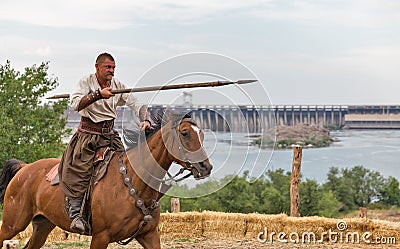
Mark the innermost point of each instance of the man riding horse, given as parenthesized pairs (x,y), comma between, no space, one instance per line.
(93,99)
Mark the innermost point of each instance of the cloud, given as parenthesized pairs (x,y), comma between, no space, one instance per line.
(104,15)
(351,13)
(118,14)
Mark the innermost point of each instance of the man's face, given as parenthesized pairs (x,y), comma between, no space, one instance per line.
(105,70)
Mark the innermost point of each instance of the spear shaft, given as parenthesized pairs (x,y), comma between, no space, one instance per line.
(166,87)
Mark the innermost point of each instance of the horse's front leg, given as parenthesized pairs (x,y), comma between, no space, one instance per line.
(150,240)
(100,241)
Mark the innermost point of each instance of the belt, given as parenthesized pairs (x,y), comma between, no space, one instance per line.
(101,128)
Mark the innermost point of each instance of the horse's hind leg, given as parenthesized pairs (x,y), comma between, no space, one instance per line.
(13,222)
(41,229)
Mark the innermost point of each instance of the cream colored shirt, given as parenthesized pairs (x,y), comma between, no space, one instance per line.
(102,109)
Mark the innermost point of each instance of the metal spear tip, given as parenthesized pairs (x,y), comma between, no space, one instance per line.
(222,83)
(245,81)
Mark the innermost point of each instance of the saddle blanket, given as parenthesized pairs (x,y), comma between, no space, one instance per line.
(102,158)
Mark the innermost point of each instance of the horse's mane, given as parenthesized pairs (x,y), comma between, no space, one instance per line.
(9,170)
(158,119)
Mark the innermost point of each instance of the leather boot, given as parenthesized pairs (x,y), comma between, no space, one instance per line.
(74,211)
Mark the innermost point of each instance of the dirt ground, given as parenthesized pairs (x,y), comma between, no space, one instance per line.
(77,242)
(203,243)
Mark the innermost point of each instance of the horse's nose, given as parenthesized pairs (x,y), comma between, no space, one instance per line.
(206,166)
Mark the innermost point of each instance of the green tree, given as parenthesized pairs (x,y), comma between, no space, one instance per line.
(237,196)
(277,193)
(328,205)
(365,183)
(29,129)
(390,193)
(310,194)
(354,187)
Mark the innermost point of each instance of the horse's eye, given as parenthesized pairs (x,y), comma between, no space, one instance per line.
(184,133)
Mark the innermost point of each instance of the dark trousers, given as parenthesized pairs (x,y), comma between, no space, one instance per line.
(76,166)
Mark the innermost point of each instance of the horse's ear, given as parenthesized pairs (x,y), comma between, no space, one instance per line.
(179,116)
(174,116)
(167,115)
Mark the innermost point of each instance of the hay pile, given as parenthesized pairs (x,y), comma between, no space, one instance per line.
(216,225)
(184,225)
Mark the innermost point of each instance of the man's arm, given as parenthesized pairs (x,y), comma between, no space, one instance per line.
(92,97)
(145,123)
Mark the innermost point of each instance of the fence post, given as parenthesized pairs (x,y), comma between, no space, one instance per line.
(363,212)
(175,205)
(294,182)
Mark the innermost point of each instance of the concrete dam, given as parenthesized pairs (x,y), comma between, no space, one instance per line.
(256,119)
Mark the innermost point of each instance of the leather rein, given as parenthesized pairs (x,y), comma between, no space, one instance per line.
(165,184)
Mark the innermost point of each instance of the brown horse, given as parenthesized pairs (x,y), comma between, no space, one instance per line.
(124,203)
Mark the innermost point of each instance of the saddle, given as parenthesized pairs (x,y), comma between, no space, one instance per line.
(102,158)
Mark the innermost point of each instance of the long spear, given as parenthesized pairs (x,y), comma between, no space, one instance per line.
(166,87)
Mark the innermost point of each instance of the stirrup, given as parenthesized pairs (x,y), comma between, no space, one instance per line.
(78,224)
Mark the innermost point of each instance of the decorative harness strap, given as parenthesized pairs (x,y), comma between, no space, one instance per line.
(147,211)
(164,186)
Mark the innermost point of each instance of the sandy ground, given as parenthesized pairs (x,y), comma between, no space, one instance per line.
(202,243)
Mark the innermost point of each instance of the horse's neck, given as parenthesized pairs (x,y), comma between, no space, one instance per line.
(156,146)
(154,152)
(150,162)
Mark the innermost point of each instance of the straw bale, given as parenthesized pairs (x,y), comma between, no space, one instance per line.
(383,228)
(57,235)
(308,224)
(181,225)
(61,235)
(24,236)
(256,223)
(320,225)
(216,225)
(224,225)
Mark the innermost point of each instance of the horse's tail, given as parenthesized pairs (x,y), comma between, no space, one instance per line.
(11,168)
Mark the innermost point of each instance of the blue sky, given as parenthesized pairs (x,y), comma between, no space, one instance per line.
(301,51)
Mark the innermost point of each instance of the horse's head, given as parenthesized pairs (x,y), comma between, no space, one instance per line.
(187,148)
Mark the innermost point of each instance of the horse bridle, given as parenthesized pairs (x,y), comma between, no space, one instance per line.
(181,149)
(165,184)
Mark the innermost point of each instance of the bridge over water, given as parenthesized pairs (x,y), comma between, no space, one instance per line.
(255,119)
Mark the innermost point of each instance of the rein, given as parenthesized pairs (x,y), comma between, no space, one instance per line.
(165,185)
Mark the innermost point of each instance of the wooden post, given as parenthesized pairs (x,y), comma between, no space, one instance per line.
(363,212)
(294,182)
(175,205)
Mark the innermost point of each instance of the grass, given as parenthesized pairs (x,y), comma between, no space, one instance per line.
(63,245)
(180,240)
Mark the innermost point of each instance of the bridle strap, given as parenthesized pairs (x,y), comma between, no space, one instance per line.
(181,149)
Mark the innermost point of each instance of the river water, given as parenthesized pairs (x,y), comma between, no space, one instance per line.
(232,154)
(378,150)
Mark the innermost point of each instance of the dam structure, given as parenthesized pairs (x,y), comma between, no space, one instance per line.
(257,119)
